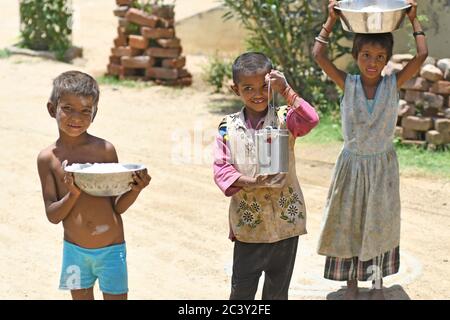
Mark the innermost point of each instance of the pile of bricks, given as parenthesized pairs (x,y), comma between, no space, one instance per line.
(424,108)
(146,47)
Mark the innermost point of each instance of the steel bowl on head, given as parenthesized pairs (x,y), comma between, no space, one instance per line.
(104,179)
(372,16)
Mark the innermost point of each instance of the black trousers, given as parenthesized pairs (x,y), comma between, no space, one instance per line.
(251,259)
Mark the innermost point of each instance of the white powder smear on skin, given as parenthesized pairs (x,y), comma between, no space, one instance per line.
(100,229)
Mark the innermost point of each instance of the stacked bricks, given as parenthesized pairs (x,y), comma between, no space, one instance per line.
(146,47)
(424,107)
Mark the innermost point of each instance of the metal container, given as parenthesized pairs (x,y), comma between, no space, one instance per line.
(372,16)
(272,149)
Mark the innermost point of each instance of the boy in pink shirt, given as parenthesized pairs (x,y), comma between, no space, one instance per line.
(267,212)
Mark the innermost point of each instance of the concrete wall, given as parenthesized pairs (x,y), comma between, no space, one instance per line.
(207,33)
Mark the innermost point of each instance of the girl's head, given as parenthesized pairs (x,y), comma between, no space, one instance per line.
(372,52)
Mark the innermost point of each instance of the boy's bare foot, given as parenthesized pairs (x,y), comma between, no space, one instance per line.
(352,290)
(377,294)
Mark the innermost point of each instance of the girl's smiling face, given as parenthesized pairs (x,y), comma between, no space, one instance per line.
(372,58)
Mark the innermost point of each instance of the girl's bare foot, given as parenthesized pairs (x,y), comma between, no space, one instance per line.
(352,290)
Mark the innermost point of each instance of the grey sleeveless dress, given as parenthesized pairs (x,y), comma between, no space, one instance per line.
(362,213)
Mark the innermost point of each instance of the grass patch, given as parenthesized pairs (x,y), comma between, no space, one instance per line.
(328,131)
(4,53)
(113,81)
(419,159)
(411,158)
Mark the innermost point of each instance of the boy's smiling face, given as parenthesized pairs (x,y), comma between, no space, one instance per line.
(73,114)
(252,89)
(372,58)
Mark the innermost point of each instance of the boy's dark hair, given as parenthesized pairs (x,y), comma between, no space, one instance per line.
(77,83)
(251,63)
(385,40)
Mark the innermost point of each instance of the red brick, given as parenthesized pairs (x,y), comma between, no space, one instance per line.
(120,42)
(122,31)
(419,84)
(429,111)
(164,53)
(417,143)
(433,100)
(157,33)
(186,81)
(409,134)
(169,43)
(416,123)
(141,18)
(123,22)
(121,11)
(123,2)
(166,12)
(176,63)
(162,73)
(138,42)
(125,51)
(166,23)
(132,77)
(118,70)
(435,137)
(114,60)
(413,96)
(138,62)
(406,109)
(441,87)
(442,125)
(183,73)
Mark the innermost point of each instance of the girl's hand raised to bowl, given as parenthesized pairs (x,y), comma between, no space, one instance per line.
(412,12)
(333,14)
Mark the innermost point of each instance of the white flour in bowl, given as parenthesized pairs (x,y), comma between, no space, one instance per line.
(97,168)
(372,8)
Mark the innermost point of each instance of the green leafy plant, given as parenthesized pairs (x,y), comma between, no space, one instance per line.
(4,53)
(285,31)
(217,72)
(46,25)
(148,5)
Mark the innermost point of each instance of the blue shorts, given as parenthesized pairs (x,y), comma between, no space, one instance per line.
(81,267)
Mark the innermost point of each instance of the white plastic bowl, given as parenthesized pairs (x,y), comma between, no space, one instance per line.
(104,179)
(372,16)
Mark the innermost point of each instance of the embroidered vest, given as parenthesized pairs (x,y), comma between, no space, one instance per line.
(263,215)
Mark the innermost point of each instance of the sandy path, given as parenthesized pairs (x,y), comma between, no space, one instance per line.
(177,231)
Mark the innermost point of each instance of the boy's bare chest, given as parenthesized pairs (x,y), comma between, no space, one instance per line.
(85,155)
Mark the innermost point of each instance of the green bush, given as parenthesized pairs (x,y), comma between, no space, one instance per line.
(285,31)
(218,72)
(46,25)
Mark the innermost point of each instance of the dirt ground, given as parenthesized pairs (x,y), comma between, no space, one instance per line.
(176,232)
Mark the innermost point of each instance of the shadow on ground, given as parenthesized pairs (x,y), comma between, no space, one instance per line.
(395,292)
(224,105)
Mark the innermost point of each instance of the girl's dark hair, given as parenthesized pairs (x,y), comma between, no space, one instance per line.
(385,40)
(250,63)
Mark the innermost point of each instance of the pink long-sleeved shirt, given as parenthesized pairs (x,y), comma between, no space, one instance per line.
(300,120)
